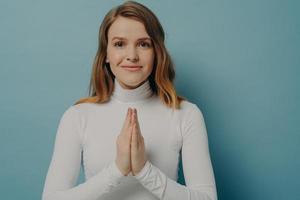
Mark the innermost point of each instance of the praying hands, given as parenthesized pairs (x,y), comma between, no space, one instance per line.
(131,155)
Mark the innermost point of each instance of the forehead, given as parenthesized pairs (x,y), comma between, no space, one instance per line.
(127,28)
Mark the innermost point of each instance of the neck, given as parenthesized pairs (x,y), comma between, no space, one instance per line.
(139,93)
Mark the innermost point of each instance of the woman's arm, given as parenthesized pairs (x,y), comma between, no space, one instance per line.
(197,168)
(65,166)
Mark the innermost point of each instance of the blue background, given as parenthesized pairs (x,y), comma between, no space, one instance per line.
(237,60)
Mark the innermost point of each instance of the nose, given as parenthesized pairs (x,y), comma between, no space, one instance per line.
(132,54)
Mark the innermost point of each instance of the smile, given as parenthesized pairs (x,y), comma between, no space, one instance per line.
(132,68)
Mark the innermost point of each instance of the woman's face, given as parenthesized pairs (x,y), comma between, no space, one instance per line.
(129,52)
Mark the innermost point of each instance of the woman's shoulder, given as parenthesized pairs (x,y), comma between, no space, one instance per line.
(82,109)
(77,107)
(84,106)
(192,119)
(188,106)
(190,111)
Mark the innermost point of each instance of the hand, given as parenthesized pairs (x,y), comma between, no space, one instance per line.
(123,160)
(138,155)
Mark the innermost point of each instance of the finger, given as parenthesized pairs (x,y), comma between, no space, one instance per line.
(128,118)
(136,119)
(134,137)
(129,126)
(139,134)
(126,129)
(131,117)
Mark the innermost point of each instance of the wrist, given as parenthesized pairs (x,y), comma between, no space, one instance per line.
(138,170)
(124,172)
(143,171)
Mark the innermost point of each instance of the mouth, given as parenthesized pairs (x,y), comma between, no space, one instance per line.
(132,68)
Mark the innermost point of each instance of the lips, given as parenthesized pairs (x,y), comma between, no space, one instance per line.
(127,66)
(132,68)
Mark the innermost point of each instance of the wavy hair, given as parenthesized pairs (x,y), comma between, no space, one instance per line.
(163,73)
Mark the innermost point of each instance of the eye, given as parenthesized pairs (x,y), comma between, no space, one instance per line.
(118,44)
(145,44)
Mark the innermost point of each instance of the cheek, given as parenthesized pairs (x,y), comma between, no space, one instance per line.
(114,57)
(148,57)
(148,61)
(151,61)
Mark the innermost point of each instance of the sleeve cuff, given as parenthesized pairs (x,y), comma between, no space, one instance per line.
(115,175)
(144,171)
(152,179)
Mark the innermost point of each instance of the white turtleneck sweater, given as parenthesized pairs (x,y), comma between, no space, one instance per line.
(87,135)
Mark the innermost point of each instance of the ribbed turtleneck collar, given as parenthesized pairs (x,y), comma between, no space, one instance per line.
(131,95)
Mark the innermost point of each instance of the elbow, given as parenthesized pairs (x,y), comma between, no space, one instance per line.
(47,196)
(211,196)
(51,196)
(203,194)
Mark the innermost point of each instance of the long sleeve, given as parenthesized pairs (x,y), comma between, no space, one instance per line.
(65,166)
(197,167)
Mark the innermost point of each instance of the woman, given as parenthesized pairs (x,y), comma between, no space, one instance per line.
(128,135)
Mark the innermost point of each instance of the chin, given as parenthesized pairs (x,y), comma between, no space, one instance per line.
(132,84)
(136,84)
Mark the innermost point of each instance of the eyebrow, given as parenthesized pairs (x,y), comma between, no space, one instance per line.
(121,38)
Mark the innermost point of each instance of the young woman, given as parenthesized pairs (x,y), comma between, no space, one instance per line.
(129,134)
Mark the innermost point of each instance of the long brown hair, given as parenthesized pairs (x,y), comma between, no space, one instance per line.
(163,73)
